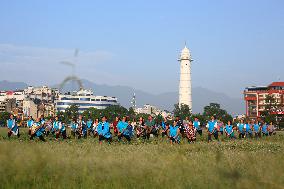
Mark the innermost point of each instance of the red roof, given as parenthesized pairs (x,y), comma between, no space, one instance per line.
(9,93)
(277,84)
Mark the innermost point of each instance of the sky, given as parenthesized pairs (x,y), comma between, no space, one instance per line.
(234,44)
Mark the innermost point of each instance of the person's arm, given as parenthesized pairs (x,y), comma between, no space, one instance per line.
(178,132)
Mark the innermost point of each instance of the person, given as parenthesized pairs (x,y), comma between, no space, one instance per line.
(140,128)
(12,127)
(212,129)
(30,123)
(74,128)
(95,125)
(104,131)
(256,129)
(122,127)
(82,127)
(271,129)
(37,130)
(197,126)
(165,127)
(190,132)
(220,127)
(241,129)
(149,125)
(185,124)
(180,125)
(248,129)
(89,127)
(174,132)
(229,130)
(49,127)
(264,129)
(114,125)
(59,128)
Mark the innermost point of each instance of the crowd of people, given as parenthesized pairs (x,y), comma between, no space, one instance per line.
(126,130)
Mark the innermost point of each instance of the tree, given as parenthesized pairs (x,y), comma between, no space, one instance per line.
(70,113)
(182,111)
(4,116)
(116,110)
(131,113)
(214,109)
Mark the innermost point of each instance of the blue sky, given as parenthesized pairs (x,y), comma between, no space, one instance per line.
(234,44)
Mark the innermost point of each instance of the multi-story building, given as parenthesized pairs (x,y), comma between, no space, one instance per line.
(152,110)
(255,98)
(84,99)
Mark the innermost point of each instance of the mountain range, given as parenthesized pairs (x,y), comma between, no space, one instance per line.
(200,96)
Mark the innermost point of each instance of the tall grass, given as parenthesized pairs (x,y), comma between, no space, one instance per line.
(157,164)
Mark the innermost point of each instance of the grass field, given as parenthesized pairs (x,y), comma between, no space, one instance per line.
(155,164)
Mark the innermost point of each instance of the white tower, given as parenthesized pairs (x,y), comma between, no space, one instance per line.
(185,78)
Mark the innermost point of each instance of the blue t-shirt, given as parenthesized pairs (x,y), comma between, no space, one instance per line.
(196,124)
(56,125)
(121,126)
(241,127)
(229,129)
(264,129)
(211,126)
(256,127)
(104,129)
(248,128)
(173,130)
(30,123)
(163,125)
(74,126)
(39,132)
(89,124)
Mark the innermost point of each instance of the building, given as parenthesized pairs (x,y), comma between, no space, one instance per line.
(29,108)
(84,99)
(152,110)
(255,99)
(185,78)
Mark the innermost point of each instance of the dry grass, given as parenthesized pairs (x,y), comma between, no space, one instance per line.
(157,164)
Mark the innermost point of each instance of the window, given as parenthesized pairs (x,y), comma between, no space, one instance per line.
(85,99)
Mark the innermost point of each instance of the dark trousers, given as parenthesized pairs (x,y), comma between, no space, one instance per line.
(249,135)
(257,135)
(127,137)
(241,135)
(10,133)
(40,137)
(101,138)
(63,133)
(215,134)
(199,131)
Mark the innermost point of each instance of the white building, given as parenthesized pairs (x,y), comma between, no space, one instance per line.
(85,100)
(185,78)
(152,110)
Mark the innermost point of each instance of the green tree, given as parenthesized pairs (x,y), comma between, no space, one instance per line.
(70,112)
(4,116)
(116,110)
(182,111)
(131,113)
(214,109)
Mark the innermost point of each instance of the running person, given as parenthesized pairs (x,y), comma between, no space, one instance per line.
(197,126)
